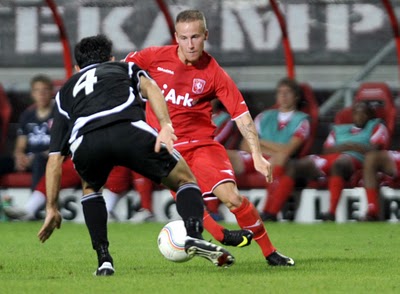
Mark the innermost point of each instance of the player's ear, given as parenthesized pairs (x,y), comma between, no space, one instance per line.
(112,58)
(206,35)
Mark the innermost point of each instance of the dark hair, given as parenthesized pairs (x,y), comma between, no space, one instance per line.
(295,87)
(42,79)
(91,50)
(191,15)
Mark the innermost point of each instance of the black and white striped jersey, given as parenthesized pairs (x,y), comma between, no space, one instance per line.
(99,95)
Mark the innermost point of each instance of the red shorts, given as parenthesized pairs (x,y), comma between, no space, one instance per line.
(209,163)
(324,162)
(395,156)
(69,178)
(248,161)
(119,180)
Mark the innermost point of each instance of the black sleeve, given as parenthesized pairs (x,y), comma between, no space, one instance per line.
(137,72)
(59,133)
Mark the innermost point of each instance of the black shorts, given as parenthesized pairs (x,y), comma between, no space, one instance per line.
(129,144)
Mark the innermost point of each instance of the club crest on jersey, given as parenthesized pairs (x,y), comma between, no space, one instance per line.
(198,86)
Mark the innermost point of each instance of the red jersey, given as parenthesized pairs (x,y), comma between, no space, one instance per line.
(188,90)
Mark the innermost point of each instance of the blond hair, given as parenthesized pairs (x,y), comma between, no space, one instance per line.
(191,15)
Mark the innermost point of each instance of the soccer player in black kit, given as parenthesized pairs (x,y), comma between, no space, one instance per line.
(100,120)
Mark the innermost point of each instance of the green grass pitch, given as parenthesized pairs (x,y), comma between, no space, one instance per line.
(330,258)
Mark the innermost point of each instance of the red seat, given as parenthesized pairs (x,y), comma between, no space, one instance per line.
(16,180)
(5,114)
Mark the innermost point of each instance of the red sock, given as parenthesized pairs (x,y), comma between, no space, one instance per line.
(373,201)
(281,194)
(249,219)
(212,205)
(278,171)
(215,229)
(144,187)
(335,186)
(270,188)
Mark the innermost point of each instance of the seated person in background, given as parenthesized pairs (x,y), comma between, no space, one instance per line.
(33,134)
(282,132)
(343,154)
(386,161)
(37,199)
(118,183)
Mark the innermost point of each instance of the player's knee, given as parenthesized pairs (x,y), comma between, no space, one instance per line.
(232,200)
(374,159)
(177,179)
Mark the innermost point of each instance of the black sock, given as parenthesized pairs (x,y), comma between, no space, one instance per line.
(190,206)
(95,213)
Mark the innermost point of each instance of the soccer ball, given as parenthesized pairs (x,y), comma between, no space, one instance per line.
(171,241)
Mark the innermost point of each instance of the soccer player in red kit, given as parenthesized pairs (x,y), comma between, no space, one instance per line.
(190,78)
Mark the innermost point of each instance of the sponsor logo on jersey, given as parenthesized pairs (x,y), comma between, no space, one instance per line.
(227,171)
(173,98)
(168,71)
(198,86)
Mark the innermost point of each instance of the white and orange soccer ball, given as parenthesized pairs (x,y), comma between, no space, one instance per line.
(171,241)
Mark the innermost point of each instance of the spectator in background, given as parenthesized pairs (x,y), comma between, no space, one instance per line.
(282,132)
(37,199)
(33,134)
(376,161)
(343,154)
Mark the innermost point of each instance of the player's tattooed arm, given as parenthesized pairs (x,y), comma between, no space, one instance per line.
(248,130)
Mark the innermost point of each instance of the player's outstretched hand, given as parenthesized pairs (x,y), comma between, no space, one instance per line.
(52,221)
(167,137)
(263,166)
